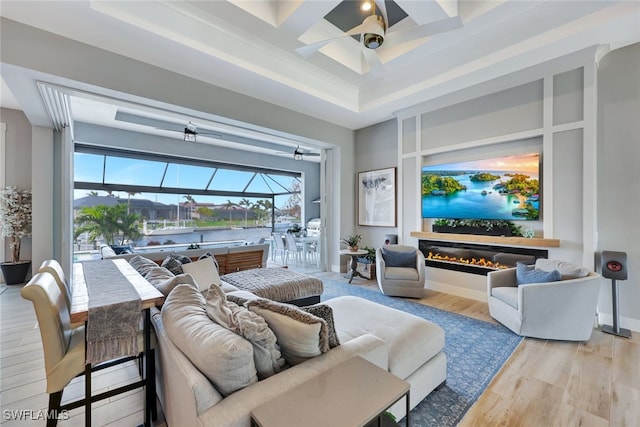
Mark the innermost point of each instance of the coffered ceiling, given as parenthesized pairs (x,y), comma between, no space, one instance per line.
(250,46)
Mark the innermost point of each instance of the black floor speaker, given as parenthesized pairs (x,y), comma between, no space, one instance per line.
(614,267)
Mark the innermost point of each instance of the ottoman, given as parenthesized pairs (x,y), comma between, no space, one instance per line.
(277,284)
(415,345)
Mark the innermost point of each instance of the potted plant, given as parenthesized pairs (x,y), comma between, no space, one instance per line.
(296,230)
(477,226)
(367,263)
(15,219)
(352,241)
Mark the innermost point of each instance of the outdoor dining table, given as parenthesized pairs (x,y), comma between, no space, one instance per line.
(306,242)
(83,285)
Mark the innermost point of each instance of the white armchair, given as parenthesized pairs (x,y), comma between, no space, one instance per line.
(400,271)
(563,310)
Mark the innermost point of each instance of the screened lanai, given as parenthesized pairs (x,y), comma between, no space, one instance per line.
(185,200)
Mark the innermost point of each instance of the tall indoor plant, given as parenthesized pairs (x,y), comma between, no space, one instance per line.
(15,220)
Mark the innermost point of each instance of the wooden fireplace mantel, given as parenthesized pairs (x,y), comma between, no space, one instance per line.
(498,240)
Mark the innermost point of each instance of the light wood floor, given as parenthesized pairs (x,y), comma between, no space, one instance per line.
(544,383)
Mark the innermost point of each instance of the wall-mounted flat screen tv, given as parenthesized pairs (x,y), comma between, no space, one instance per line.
(505,188)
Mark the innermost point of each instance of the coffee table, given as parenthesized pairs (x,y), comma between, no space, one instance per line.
(351,394)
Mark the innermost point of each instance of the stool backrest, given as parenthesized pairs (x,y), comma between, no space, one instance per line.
(53,319)
(55,269)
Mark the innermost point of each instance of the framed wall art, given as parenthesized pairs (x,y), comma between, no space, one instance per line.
(377,197)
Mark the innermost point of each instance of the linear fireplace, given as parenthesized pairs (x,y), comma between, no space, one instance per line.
(476,258)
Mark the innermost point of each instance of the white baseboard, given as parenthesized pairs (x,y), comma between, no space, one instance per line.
(456,290)
(625,322)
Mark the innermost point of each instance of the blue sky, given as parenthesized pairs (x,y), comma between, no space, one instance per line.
(127,171)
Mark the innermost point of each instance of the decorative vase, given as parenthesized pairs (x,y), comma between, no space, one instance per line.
(352,248)
(15,273)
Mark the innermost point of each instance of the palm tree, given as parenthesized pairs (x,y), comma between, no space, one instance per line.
(246,204)
(129,194)
(107,221)
(230,205)
(262,208)
(97,221)
(191,202)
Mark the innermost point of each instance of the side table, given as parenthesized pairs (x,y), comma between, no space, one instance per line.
(354,262)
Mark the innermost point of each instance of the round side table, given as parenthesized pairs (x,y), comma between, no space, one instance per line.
(354,262)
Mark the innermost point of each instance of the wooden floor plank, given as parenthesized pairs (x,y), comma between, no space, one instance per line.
(544,382)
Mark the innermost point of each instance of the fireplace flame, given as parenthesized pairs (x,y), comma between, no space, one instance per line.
(473,261)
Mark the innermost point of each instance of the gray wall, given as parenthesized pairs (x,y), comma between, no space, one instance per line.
(618,173)
(18,164)
(376,148)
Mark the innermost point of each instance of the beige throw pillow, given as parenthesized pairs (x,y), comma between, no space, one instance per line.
(141,264)
(166,286)
(204,272)
(301,335)
(225,358)
(266,353)
(566,269)
(156,274)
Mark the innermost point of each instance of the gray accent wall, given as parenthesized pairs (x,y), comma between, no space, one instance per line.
(619,175)
(376,148)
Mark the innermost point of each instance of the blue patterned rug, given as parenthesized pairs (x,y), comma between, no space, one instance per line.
(476,350)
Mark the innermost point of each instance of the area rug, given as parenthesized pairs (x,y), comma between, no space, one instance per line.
(476,350)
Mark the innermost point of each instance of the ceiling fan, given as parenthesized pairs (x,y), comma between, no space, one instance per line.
(190,132)
(374,35)
(299,153)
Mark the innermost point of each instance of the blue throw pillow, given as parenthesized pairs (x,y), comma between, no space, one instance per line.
(528,274)
(393,258)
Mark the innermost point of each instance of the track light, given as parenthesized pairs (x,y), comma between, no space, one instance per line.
(189,135)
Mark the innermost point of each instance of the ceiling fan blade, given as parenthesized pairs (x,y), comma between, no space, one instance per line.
(374,62)
(420,31)
(383,10)
(208,133)
(310,49)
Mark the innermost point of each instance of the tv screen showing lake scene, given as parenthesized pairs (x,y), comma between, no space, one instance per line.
(500,188)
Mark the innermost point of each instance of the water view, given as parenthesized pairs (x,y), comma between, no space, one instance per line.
(482,190)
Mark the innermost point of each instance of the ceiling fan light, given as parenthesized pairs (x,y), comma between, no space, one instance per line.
(372,41)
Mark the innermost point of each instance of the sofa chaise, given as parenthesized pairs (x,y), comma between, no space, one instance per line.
(405,345)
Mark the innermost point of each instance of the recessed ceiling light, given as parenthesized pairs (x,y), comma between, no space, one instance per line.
(366,6)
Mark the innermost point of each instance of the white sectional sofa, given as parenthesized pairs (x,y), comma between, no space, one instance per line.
(403,344)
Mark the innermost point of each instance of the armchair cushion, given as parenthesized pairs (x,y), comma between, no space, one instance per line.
(526,274)
(399,258)
(400,273)
(506,294)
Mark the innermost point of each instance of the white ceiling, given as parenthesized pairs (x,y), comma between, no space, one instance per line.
(249,46)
